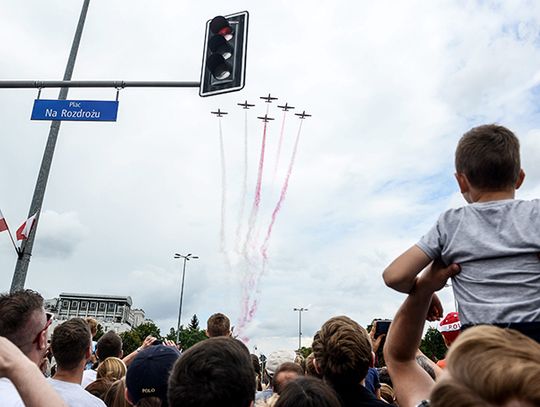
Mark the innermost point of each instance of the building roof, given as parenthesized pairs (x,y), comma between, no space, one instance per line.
(98,297)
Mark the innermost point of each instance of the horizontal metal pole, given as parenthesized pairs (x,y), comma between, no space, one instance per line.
(97,84)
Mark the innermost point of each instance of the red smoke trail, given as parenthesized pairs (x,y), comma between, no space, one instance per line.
(254,281)
(223,190)
(244,185)
(279,146)
(264,247)
(257,199)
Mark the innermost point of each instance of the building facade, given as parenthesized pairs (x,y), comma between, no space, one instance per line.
(112,312)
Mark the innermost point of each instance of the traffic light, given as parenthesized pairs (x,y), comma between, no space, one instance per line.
(224,59)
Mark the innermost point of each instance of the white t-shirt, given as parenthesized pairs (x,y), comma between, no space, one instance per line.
(9,396)
(88,376)
(74,395)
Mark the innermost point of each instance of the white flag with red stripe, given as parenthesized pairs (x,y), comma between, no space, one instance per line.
(24,230)
(3,224)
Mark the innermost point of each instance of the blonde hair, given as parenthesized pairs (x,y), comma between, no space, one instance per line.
(111,369)
(490,366)
(115,396)
(92,324)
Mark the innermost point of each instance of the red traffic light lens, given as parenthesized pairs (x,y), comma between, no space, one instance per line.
(220,26)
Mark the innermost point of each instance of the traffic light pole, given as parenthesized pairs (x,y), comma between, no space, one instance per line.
(66,83)
(21,268)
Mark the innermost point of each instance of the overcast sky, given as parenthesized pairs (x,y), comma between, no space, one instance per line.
(391,86)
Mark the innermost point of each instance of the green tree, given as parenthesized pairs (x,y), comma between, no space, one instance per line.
(432,345)
(130,341)
(146,329)
(99,333)
(171,336)
(305,352)
(192,334)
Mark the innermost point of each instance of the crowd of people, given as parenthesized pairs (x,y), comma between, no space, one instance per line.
(490,249)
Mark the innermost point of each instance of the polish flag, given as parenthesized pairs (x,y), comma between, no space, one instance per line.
(24,230)
(3,224)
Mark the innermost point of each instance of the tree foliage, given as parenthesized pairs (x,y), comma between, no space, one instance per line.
(433,345)
(131,340)
(191,335)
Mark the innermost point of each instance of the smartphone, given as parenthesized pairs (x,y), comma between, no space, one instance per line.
(382,327)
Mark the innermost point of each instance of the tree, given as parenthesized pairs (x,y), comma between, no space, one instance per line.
(171,336)
(432,345)
(192,334)
(146,329)
(99,332)
(305,352)
(130,341)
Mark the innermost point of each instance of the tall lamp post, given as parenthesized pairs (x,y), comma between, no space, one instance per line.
(300,310)
(186,258)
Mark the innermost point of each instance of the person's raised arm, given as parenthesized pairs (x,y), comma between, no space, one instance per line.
(148,341)
(411,383)
(26,377)
(402,272)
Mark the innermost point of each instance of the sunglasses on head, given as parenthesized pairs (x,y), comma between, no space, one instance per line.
(47,325)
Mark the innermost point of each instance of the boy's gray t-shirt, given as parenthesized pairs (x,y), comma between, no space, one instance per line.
(497,245)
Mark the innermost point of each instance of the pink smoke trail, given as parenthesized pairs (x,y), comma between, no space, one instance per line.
(223,190)
(244,185)
(264,247)
(257,199)
(279,146)
(254,282)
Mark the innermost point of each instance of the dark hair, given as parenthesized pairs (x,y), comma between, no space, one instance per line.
(99,387)
(217,371)
(488,155)
(285,367)
(16,310)
(307,391)
(70,342)
(257,369)
(384,376)
(218,325)
(342,350)
(109,345)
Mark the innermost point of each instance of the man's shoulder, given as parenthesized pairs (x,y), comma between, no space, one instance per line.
(74,395)
(9,394)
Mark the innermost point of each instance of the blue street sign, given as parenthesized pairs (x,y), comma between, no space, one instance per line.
(76,110)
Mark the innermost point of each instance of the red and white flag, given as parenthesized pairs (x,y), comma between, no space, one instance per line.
(3,224)
(24,230)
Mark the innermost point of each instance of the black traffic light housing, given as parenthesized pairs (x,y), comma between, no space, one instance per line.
(224,58)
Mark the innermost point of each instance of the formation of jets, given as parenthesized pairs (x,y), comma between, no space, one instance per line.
(265,118)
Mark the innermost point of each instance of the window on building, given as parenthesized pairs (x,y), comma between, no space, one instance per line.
(93,306)
(84,305)
(65,304)
(111,307)
(102,306)
(74,304)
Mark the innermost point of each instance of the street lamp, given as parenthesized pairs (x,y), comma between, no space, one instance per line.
(300,310)
(186,258)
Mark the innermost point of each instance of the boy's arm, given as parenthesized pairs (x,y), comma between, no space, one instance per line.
(402,272)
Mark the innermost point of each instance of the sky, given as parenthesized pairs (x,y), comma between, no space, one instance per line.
(391,86)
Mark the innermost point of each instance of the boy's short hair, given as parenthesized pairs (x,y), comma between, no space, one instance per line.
(342,350)
(109,345)
(489,157)
(70,342)
(218,325)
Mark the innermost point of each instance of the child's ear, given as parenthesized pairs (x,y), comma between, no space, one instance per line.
(463,182)
(520,179)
